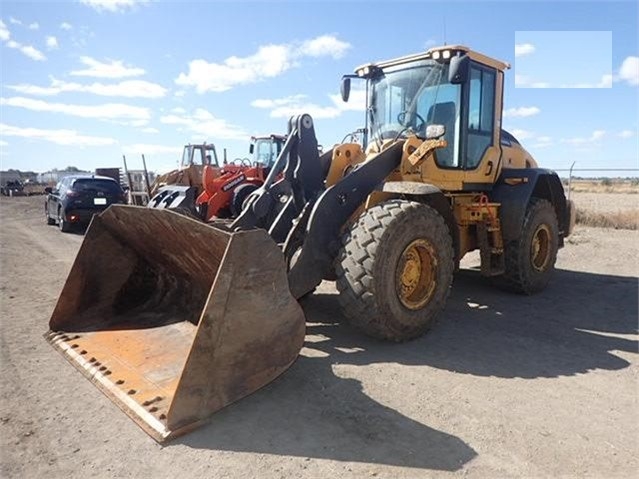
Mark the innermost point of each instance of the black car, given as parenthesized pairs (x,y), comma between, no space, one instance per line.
(76,199)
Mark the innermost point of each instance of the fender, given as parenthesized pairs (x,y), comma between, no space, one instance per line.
(514,189)
(431,195)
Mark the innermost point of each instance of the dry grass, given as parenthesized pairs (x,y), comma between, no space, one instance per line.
(620,220)
(606,185)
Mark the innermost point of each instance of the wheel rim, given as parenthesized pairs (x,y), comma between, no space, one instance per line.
(415,275)
(540,248)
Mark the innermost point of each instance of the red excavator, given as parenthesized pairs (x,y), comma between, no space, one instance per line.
(225,191)
(222,190)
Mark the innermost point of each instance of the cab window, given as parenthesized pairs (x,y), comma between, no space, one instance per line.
(481,114)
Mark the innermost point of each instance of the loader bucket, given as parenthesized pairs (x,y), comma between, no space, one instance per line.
(174,319)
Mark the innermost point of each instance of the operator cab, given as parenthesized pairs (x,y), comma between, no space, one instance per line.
(199,155)
(265,150)
(450,86)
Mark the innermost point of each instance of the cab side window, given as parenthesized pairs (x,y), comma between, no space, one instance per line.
(481,114)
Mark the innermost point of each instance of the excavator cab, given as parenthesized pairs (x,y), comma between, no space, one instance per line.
(264,150)
(451,86)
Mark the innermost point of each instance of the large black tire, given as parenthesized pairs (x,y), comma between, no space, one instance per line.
(239,197)
(377,287)
(530,260)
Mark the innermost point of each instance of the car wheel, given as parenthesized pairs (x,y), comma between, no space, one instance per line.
(50,221)
(64,226)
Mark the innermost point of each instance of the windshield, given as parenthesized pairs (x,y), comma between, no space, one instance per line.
(192,155)
(410,98)
(266,151)
(186,156)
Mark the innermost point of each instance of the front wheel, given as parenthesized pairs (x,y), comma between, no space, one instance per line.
(240,194)
(50,221)
(530,260)
(395,269)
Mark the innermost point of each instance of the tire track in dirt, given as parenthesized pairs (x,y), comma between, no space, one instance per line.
(31,247)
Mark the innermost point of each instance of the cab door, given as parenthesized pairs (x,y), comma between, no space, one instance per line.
(481,124)
(471,115)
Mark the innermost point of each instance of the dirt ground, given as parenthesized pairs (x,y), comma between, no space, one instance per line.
(503,386)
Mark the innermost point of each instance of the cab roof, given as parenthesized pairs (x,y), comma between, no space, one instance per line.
(478,57)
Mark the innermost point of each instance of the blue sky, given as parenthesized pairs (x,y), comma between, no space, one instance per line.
(84,82)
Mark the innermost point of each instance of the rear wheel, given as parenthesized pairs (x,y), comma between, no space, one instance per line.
(63,224)
(395,269)
(530,260)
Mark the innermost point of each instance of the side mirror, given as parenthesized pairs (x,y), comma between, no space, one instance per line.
(458,69)
(345,88)
(48,190)
(251,148)
(435,131)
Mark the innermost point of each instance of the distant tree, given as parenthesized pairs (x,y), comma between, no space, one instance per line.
(606,182)
(72,169)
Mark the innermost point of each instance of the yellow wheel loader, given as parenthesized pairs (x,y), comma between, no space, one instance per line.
(174,319)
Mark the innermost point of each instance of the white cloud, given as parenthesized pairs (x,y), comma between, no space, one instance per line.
(52,43)
(297,104)
(4,32)
(594,139)
(521,112)
(522,134)
(629,71)
(522,49)
(108,111)
(356,101)
(60,137)
(127,89)
(14,21)
(526,82)
(325,45)
(34,26)
(203,124)
(531,138)
(626,134)
(269,61)
(27,50)
(66,26)
(3,143)
(605,82)
(542,142)
(112,69)
(149,149)
(150,130)
(113,5)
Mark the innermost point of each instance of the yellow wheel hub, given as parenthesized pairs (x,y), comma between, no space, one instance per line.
(415,275)
(540,248)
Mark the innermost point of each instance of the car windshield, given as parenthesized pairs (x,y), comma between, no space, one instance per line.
(413,97)
(97,186)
